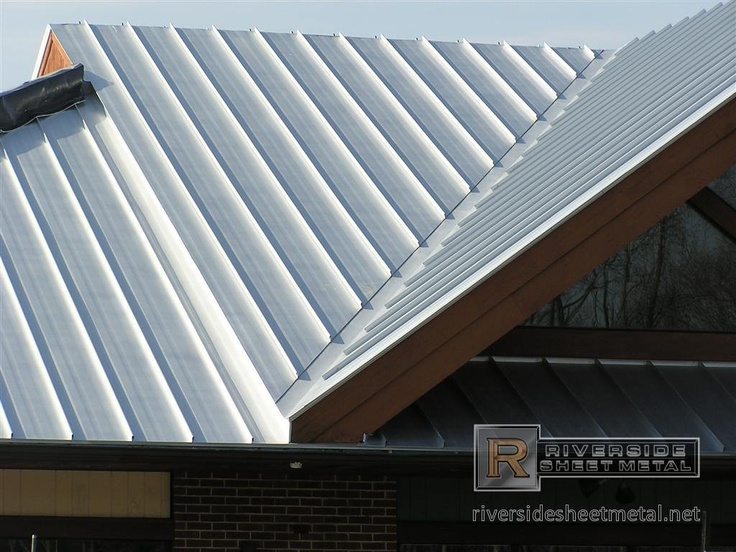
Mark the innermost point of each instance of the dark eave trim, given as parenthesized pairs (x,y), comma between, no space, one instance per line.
(562,534)
(423,359)
(338,459)
(22,527)
(717,210)
(526,341)
(267,459)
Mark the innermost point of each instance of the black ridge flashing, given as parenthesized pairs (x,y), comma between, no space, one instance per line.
(43,96)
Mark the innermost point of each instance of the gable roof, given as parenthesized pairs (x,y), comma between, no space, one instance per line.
(229,228)
(653,127)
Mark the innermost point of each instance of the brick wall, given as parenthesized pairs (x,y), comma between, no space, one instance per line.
(217,511)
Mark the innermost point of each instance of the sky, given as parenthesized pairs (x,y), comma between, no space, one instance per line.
(595,23)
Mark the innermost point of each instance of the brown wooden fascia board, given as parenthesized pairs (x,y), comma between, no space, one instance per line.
(717,210)
(54,57)
(615,344)
(404,373)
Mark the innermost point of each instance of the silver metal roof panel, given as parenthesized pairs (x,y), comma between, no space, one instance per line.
(641,100)
(387,170)
(520,75)
(577,58)
(477,119)
(32,260)
(491,87)
(429,112)
(27,392)
(247,204)
(549,64)
(446,186)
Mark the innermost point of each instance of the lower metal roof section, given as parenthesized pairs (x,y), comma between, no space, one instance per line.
(574,398)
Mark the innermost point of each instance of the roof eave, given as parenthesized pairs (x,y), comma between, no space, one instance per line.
(401,374)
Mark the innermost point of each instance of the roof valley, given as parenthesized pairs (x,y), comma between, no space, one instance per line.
(349,343)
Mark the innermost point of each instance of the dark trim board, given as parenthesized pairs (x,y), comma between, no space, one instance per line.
(718,211)
(266,459)
(86,528)
(528,341)
(543,271)
(561,534)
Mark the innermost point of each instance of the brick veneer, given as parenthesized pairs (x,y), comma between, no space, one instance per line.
(230,511)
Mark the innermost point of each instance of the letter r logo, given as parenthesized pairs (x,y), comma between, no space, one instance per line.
(495,456)
(506,457)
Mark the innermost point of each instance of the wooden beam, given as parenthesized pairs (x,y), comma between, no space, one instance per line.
(717,210)
(509,296)
(54,57)
(615,344)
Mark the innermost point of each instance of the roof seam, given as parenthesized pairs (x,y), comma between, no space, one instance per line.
(340,202)
(55,371)
(447,115)
(376,132)
(367,68)
(190,316)
(378,192)
(246,205)
(223,366)
(473,97)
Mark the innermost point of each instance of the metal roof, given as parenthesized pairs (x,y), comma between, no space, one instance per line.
(180,247)
(647,95)
(231,224)
(574,398)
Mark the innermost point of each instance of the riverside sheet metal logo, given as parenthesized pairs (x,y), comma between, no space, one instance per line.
(515,458)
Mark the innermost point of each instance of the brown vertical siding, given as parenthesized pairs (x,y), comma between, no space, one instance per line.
(54,57)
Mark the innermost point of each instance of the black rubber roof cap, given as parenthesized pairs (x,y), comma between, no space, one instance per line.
(43,96)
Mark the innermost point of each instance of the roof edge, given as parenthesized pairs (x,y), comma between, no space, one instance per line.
(42,51)
(424,357)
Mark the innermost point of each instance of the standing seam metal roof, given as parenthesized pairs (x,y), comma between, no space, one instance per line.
(180,247)
(649,92)
(573,398)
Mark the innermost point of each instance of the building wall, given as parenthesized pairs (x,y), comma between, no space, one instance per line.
(95,494)
(247,512)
